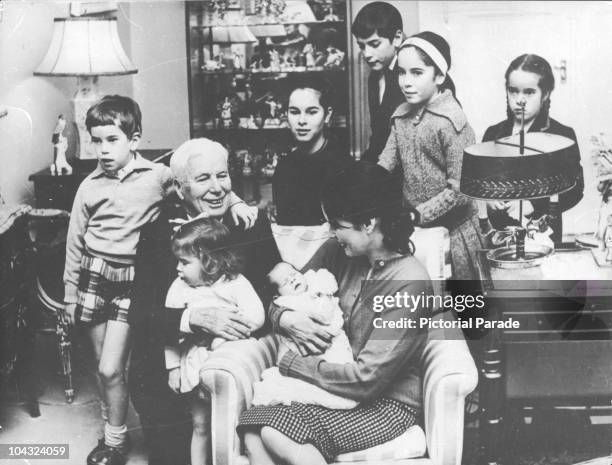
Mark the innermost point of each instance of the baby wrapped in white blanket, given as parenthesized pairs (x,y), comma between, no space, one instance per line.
(313,294)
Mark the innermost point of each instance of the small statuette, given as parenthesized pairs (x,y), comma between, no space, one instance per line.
(60,145)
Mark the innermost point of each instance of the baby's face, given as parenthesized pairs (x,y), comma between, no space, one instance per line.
(288,280)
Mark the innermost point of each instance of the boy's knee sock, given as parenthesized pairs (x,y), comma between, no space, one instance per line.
(115,436)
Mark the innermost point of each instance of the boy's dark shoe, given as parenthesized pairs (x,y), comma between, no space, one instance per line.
(107,455)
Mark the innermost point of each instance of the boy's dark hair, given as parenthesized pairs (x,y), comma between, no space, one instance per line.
(208,240)
(320,84)
(377,17)
(115,110)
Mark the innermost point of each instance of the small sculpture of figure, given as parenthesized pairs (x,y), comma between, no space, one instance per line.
(273,119)
(238,60)
(335,57)
(275,64)
(608,239)
(60,145)
(220,60)
(308,52)
(226,113)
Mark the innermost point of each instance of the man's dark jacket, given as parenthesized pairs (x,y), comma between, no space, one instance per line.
(152,325)
(380,113)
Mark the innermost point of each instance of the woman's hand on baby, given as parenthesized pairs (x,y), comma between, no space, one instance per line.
(309,335)
(174,379)
(225,322)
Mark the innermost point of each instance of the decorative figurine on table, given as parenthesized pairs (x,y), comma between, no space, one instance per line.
(60,145)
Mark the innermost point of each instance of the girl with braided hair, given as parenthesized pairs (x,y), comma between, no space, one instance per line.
(529,83)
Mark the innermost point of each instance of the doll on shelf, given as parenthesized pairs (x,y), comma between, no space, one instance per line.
(335,57)
(274,109)
(60,145)
(275,61)
(226,113)
(309,55)
(238,60)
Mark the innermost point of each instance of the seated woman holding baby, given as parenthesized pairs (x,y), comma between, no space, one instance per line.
(370,255)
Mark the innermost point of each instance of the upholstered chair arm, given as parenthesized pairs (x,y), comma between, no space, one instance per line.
(449,376)
(228,375)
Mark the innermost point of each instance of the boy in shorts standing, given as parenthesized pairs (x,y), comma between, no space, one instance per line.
(111,206)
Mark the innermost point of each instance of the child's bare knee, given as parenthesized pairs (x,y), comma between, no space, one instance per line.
(110,374)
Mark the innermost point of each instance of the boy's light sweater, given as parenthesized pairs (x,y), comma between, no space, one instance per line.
(108,214)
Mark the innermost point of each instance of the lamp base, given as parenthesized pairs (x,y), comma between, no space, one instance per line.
(85,97)
(506,257)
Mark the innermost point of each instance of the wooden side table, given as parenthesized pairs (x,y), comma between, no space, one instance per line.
(560,354)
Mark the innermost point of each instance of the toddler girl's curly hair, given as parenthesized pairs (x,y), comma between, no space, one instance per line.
(208,240)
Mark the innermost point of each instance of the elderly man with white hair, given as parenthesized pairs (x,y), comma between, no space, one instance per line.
(203,187)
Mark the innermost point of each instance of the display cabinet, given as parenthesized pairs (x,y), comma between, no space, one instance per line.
(244,56)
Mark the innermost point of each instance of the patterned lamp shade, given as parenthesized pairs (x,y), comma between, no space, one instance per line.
(496,170)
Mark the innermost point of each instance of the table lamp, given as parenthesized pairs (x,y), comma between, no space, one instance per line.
(85,47)
(526,166)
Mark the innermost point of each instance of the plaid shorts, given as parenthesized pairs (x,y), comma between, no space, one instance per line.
(104,291)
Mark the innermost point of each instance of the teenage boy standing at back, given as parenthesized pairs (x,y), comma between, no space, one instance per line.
(378,29)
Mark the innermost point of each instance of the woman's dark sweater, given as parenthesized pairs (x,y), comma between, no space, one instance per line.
(298,180)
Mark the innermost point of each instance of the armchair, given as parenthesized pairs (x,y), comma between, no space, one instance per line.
(448,371)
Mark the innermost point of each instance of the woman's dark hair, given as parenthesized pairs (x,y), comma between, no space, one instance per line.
(320,84)
(363,191)
(381,18)
(115,109)
(537,65)
(208,240)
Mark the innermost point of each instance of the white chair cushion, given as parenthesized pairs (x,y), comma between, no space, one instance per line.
(409,445)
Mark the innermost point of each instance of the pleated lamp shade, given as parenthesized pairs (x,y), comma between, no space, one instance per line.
(85,47)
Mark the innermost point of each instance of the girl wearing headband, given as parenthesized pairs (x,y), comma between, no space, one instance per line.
(428,134)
